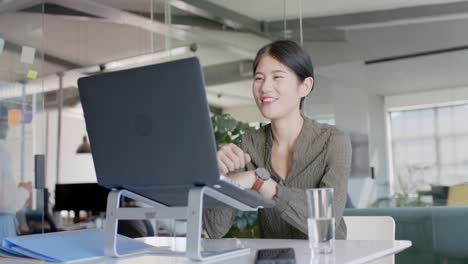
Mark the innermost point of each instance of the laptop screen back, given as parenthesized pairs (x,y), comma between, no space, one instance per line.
(149,127)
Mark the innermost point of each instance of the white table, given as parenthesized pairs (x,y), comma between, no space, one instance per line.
(351,252)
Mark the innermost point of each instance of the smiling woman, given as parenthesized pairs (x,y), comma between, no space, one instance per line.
(287,65)
(288,156)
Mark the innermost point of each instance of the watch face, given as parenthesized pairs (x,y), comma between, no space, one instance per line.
(262,173)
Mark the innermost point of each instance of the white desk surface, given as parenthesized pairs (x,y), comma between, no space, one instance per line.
(351,252)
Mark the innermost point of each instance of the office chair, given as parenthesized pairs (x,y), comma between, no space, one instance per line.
(135,228)
(458,195)
(371,228)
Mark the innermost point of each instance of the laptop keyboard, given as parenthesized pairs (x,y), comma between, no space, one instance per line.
(231,182)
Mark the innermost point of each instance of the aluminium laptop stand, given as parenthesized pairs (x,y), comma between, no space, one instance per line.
(193,213)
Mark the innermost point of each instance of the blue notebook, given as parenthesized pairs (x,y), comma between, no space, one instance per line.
(70,245)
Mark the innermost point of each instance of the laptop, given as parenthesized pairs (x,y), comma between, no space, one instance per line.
(150,133)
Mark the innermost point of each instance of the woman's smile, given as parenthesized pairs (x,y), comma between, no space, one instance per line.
(267,100)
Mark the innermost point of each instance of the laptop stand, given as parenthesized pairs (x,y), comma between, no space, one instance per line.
(193,213)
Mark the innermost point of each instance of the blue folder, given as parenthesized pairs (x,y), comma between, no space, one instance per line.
(70,245)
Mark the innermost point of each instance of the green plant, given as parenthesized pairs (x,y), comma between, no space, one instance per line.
(245,225)
(409,188)
(228,130)
(409,181)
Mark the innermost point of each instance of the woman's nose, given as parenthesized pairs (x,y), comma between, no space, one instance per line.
(266,86)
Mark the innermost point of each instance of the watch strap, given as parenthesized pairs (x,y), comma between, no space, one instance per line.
(258,184)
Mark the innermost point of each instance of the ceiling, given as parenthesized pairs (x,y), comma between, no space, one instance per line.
(136,5)
(274,9)
(111,32)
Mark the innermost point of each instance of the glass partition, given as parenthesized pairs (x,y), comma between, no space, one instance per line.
(23,196)
(398,89)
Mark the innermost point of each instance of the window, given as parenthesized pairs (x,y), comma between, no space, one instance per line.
(431,145)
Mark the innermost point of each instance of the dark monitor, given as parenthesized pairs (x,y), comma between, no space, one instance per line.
(81,196)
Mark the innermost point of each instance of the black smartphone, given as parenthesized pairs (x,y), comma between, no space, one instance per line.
(276,256)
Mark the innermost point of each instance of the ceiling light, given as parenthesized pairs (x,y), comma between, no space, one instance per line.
(84,147)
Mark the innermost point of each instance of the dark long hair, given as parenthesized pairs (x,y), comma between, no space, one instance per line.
(290,54)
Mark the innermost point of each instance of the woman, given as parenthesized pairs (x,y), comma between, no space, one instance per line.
(12,197)
(297,153)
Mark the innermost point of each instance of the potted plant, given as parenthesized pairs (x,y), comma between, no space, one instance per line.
(228,130)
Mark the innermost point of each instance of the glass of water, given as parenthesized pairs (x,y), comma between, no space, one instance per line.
(321,220)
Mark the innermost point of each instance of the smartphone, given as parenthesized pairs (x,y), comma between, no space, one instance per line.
(276,256)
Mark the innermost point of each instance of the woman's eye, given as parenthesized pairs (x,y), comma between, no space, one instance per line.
(278,77)
(258,78)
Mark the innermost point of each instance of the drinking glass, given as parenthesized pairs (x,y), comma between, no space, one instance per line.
(321,220)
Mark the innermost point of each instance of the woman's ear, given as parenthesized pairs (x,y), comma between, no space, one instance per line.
(306,86)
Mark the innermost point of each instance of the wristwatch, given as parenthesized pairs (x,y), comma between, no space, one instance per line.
(262,176)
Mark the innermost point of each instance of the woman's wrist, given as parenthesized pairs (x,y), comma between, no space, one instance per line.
(245,179)
(268,189)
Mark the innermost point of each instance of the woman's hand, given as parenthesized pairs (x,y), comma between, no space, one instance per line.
(27,186)
(231,158)
(247,179)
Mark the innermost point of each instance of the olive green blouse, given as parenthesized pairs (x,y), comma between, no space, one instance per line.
(321,158)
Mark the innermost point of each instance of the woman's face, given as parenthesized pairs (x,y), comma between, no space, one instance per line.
(277,89)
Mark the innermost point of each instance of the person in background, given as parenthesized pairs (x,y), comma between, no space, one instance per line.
(291,154)
(13,196)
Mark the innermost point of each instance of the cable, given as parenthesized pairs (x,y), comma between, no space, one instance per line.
(300,23)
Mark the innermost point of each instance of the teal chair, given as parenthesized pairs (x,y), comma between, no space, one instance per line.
(438,234)
(450,234)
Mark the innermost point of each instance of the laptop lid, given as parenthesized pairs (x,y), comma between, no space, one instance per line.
(149,127)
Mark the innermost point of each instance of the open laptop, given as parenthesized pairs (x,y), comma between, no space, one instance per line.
(150,132)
